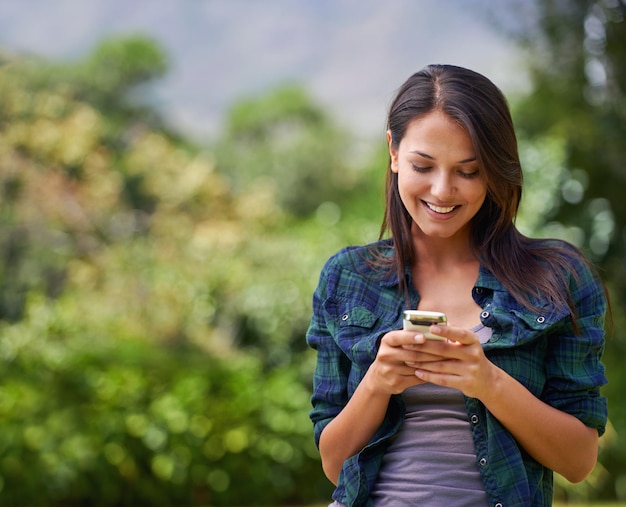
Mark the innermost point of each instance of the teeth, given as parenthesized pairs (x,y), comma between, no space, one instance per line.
(440,209)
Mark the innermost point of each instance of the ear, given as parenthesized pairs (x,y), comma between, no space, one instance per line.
(393,153)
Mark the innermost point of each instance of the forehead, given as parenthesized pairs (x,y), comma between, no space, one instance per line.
(437,131)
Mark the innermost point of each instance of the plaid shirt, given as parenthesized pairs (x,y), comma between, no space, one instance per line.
(354,306)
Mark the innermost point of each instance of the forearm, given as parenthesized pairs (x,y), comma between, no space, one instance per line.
(554,438)
(352,429)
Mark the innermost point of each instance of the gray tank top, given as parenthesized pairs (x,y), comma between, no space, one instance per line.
(431,461)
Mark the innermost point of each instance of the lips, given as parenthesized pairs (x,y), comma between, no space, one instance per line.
(440,209)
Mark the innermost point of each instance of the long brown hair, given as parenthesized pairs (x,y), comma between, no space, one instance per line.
(528,268)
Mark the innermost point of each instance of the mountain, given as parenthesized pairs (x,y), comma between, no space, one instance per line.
(350,54)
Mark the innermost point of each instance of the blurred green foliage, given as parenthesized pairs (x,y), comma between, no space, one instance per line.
(147,311)
(154,296)
(284,140)
(577,61)
(96,418)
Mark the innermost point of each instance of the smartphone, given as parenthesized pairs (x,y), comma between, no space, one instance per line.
(417,320)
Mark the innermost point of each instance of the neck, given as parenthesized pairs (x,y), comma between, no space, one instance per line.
(442,253)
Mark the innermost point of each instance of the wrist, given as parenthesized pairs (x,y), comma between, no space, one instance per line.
(496,388)
(372,387)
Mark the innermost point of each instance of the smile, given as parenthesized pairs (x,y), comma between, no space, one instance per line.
(440,209)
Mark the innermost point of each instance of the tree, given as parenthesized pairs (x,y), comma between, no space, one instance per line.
(285,140)
(64,127)
(577,70)
(577,62)
(129,268)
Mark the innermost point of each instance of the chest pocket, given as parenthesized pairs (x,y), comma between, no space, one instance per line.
(357,316)
(354,328)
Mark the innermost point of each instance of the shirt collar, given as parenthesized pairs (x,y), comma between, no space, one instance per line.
(487,280)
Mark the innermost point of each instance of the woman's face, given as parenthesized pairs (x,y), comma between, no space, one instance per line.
(439,180)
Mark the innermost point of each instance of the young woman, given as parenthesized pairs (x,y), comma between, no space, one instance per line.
(512,392)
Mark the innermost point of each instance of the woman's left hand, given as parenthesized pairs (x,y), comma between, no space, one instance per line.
(464,367)
(560,441)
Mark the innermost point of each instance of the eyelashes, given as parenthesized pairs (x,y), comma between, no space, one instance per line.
(463,174)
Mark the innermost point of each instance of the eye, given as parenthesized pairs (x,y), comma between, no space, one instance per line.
(468,175)
(420,169)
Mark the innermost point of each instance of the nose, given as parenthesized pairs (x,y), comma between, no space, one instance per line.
(442,186)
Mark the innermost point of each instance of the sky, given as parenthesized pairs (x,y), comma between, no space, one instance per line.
(350,55)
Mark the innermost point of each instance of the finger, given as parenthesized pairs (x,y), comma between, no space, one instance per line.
(447,366)
(424,374)
(455,334)
(423,362)
(425,350)
(401,338)
(436,376)
(418,358)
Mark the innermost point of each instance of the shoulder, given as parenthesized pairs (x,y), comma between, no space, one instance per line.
(354,267)
(567,248)
(580,277)
(360,259)
(570,258)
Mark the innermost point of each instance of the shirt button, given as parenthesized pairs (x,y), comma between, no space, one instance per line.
(483,462)
(541,319)
(499,504)
(478,290)
(345,317)
(474,419)
(484,315)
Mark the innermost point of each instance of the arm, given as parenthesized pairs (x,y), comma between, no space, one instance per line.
(554,438)
(560,424)
(351,399)
(352,429)
(546,430)
(571,414)
(361,417)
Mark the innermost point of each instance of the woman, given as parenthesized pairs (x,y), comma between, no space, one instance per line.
(512,393)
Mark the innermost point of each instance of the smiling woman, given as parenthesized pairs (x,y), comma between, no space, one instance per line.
(510,393)
(439,181)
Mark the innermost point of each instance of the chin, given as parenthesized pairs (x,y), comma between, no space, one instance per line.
(439,233)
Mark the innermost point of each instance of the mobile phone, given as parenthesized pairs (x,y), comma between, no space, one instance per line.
(418,320)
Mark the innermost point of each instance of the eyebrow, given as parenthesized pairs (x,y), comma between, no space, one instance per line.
(429,157)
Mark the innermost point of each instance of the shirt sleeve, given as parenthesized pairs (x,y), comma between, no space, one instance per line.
(330,380)
(574,360)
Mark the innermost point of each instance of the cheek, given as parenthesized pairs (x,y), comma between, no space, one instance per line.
(411,181)
(408,186)
(482,194)
(479,200)
(477,193)
(404,190)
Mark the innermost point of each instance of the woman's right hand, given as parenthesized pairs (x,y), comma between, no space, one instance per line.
(359,420)
(390,372)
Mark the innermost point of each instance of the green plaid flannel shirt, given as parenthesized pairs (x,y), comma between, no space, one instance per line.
(354,306)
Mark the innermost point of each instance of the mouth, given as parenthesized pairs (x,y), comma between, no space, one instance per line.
(442,210)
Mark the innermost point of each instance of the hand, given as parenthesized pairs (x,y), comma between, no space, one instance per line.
(392,371)
(462,364)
